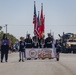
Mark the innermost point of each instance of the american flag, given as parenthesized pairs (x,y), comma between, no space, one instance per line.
(35,22)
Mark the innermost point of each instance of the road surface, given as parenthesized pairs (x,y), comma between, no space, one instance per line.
(66,66)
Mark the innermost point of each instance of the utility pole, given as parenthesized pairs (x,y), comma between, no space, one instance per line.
(6,28)
(50,31)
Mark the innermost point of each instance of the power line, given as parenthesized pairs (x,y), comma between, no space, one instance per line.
(33,25)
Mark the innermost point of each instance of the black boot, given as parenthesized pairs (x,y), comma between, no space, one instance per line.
(22,60)
(5,60)
(1,61)
(57,59)
(19,60)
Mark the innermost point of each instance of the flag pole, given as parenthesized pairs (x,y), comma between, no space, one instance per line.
(44,23)
(34,2)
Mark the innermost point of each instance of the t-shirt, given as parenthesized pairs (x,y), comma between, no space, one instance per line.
(5,42)
(22,44)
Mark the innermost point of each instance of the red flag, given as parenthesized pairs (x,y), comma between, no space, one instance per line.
(41,28)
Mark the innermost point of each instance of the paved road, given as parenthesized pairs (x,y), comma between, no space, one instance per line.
(66,66)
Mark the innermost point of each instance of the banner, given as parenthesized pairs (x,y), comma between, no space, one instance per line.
(40,53)
(31,53)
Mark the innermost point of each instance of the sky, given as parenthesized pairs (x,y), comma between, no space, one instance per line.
(60,16)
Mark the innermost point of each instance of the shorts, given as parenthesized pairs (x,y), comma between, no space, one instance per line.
(57,50)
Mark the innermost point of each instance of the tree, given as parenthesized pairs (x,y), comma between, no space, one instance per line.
(0,27)
(10,36)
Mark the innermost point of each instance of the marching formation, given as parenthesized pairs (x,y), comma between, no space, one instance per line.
(28,42)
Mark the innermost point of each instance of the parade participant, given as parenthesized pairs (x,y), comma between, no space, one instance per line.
(28,41)
(42,45)
(49,41)
(5,44)
(35,42)
(42,42)
(21,49)
(24,50)
(58,47)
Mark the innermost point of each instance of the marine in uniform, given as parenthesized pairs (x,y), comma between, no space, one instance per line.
(49,41)
(35,42)
(42,42)
(28,41)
